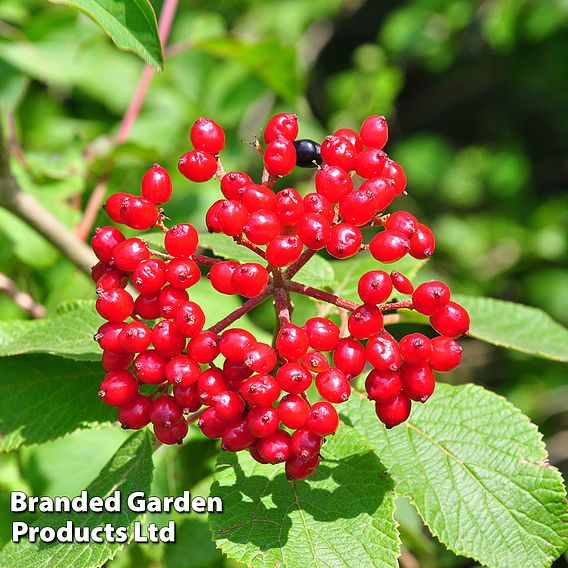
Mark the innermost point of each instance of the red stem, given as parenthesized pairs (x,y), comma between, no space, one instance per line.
(97,196)
(296,266)
(240,240)
(239,312)
(281,306)
(205,260)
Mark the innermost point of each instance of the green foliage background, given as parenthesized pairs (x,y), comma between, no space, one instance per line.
(476,98)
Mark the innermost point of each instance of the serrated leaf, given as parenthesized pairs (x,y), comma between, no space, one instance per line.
(317,272)
(68,333)
(342,515)
(225,247)
(131,25)
(275,63)
(477,471)
(516,326)
(44,397)
(130,469)
(351,270)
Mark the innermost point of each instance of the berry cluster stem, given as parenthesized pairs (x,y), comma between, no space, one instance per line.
(240,240)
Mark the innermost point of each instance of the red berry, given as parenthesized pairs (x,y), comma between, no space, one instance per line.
(275,448)
(182,370)
(322,419)
(349,357)
(207,135)
(351,136)
(382,385)
(204,347)
(374,287)
(401,283)
(113,205)
(317,204)
(210,424)
(183,273)
(452,320)
(344,241)
(236,437)
(210,383)
(211,217)
(255,197)
(149,276)
(233,344)
(370,163)
(323,334)
(333,386)
(169,297)
(118,388)
(150,367)
(167,340)
(338,151)
(135,414)
(262,226)
(394,171)
(135,337)
(417,381)
(165,412)
(284,250)
(415,348)
(393,411)
(294,378)
(333,183)
(260,358)
(382,188)
(197,166)
(115,305)
(99,270)
(253,450)
(305,444)
(181,240)
(279,157)
(232,217)
(375,131)
(315,362)
(233,183)
(130,253)
(105,241)
(172,435)
(138,213)
(261,390)
(446,354)
(289,206)
(292,342)
(383,352)
(293,411)
(262,421)
(189,318)
(107,337)
(402,222)
(365,321)
(187,398)
(157,185)
(228,405)
(249,279)
(111,280)
(115,361)
(297,468)
(314,231)
(284,124)
(429,297)
(359,207)
(220,276)
(389,246)
(422,243)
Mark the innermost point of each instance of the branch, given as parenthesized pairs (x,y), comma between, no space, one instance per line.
(240,240)
(294,268)
(22,299)
(97,196)
(320,295)
(239,312)
(281,306)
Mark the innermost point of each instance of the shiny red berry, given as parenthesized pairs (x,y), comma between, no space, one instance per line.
(157,185)
(452,320)
(207,135)
(382,385)
(197,166)
(374,131)
(181,240)
(393,411)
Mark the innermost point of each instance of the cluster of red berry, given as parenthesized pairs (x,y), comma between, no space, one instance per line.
(238,379)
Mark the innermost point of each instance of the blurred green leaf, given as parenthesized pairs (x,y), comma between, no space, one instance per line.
(44,397)
(516,326)
(225,247)
(130,469)
(68,333)
(131,24)
(477,471)
(342,515)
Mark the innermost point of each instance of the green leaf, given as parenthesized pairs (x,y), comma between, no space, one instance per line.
(342,515)
(477,471)
(130,469)
(68,333)
(275,63)
(516,326)
(351,270)
(225,247)
(130,24)
(44,397)
(317,272)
